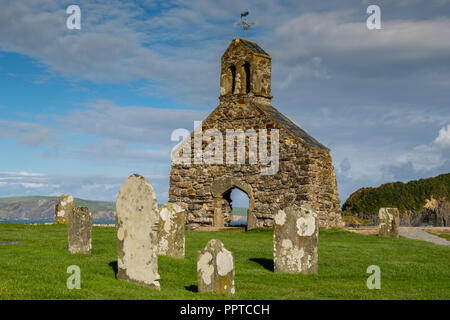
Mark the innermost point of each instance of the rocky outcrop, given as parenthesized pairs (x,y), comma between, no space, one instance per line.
(436,212)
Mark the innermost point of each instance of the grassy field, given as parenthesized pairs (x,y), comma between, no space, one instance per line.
(410,269)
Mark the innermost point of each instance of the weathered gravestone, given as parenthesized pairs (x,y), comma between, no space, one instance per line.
(171,238)
(79,227)
(215,269)
(65,205)
(295,240)
(137,232)
(388,222)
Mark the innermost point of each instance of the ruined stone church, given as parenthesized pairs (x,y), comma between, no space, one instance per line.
(304,171)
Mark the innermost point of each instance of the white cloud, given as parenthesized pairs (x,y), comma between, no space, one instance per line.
(443,139)
(89,187)
(345,46)
(22,174)
(135,124)
(429,157)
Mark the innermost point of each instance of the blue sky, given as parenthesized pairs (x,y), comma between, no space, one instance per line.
(80,110)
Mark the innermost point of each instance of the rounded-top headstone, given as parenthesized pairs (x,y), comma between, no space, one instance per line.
(64,207)
(296,234)
(137,232)
(215,269)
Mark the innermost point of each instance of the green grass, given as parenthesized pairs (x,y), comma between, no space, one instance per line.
(410,269)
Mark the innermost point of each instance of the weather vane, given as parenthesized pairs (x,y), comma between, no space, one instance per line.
(245,25)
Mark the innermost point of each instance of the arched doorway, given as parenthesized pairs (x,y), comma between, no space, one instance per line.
(239,202)
(221,190)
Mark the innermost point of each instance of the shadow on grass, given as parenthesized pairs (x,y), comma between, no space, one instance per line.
(192,288)
(265,263)
(113,265)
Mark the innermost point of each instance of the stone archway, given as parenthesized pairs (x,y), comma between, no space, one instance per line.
(219,187)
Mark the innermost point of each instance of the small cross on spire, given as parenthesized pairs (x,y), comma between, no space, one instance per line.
(245,25)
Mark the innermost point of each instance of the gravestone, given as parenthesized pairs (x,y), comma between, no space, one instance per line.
(215,269)
(388,222)
(65,205)
(171,238)
(79,228)
(296,235)
(137,232)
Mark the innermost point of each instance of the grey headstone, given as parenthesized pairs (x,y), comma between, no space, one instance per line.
(137,232)
(171,238)
(79,227)
(64,207)
(215,269)
(388,222)
(296,235)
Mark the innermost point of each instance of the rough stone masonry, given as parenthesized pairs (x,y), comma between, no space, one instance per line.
(295,240)
(79,225)
(388,222)
(171,240)
(215,269)
(137,222)
(305,173)
(65,205)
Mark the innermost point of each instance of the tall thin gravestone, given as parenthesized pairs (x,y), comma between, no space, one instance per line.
(171,240)
(215,269)
(79,225)
(137,232)
(388,222)
(296,236)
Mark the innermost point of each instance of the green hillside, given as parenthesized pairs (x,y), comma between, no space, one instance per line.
(40,208)
(92,204)
(404,196)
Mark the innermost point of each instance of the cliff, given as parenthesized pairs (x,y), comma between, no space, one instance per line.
(420,202)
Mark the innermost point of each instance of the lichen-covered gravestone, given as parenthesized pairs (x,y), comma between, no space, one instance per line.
(171,238)
(295,240)
(137,223)
(215,269)
(79,227)
(65,205)
(388,222)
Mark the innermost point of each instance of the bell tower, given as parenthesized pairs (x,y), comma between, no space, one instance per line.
(246,71)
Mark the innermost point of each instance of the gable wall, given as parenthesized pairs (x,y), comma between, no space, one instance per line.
(305,174)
